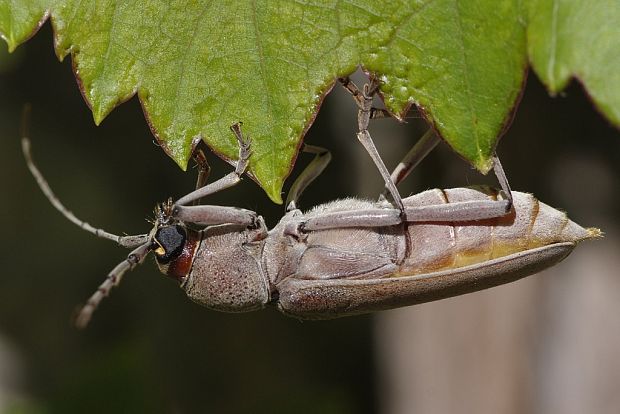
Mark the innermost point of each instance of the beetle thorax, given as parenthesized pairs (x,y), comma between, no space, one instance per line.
(226,274)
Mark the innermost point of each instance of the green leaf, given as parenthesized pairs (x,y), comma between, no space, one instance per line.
(198,67)
(19,20)
(578,38)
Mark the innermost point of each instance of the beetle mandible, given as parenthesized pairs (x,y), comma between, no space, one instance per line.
(349,256)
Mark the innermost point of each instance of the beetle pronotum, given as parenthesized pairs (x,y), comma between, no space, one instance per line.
(345,257)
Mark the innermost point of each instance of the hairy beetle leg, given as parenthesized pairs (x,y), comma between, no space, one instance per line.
(207,215)
(382,217)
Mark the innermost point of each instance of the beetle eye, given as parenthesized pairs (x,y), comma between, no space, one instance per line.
(168,243)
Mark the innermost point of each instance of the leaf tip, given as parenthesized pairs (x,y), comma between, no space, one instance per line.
(275,195)
(483,164)
(10,42)
(98,115)
(273,188)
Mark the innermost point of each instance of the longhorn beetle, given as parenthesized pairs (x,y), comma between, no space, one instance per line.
(348,256)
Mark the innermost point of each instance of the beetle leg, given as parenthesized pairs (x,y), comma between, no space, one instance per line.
(228,180)
(503,181)
(204,169)
(309,174)
(207,215)
(372,217)
(364,103)
(212,215)
(467,210)
(421,149)
(460,211)
(358,97)
(382,217)
(416,154)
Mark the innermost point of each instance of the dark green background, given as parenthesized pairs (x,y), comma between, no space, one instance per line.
(148,348)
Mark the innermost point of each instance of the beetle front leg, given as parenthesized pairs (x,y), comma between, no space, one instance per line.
(207,215)
(228,180)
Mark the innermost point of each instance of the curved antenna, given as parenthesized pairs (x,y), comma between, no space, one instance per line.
(125,241)
(112,279)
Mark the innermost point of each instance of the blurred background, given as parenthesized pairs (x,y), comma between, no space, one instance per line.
(549,343)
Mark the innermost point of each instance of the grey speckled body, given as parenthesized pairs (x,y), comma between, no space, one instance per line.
(324,274)
(345,257)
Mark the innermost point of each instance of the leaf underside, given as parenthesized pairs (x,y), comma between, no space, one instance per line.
(199,67)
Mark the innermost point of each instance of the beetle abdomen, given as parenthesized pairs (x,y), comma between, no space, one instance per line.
(530,224)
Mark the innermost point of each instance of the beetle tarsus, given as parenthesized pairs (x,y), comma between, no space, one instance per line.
(245,144)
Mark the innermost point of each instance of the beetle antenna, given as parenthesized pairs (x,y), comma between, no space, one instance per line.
(125,241)
(112,279)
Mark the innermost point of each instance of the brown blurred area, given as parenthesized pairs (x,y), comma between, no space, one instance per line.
(549,343)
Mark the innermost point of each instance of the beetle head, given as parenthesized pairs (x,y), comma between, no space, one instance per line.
(172,242)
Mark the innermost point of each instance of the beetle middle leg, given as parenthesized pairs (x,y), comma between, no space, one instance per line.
(416,154)
(363,98)
(309,174)
(366,112)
